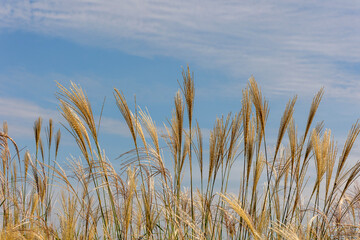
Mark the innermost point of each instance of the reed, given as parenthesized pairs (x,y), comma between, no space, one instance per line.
(279,195)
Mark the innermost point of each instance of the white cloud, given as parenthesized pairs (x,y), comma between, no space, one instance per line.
(17,108)
(21,114)
(114,126)
(288,46)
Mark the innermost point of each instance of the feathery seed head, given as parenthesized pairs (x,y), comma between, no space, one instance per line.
(188,90)
(37,130)
(57,142)
(76,99)
(125,111)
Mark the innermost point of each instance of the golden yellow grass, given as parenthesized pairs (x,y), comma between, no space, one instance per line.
(278,197)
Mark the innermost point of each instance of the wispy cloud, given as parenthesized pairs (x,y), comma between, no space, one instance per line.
(17,108)
(114,126)
(287,45)
(21,114)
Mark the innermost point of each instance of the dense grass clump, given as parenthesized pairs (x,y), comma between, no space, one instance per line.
(148,199)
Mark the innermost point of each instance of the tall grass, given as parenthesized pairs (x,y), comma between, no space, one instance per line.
(298,189)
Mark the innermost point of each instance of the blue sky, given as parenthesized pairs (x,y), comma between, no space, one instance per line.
(140,47)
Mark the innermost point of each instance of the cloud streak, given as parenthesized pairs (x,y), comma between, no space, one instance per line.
(288,46)
(21,115)
(17,108)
